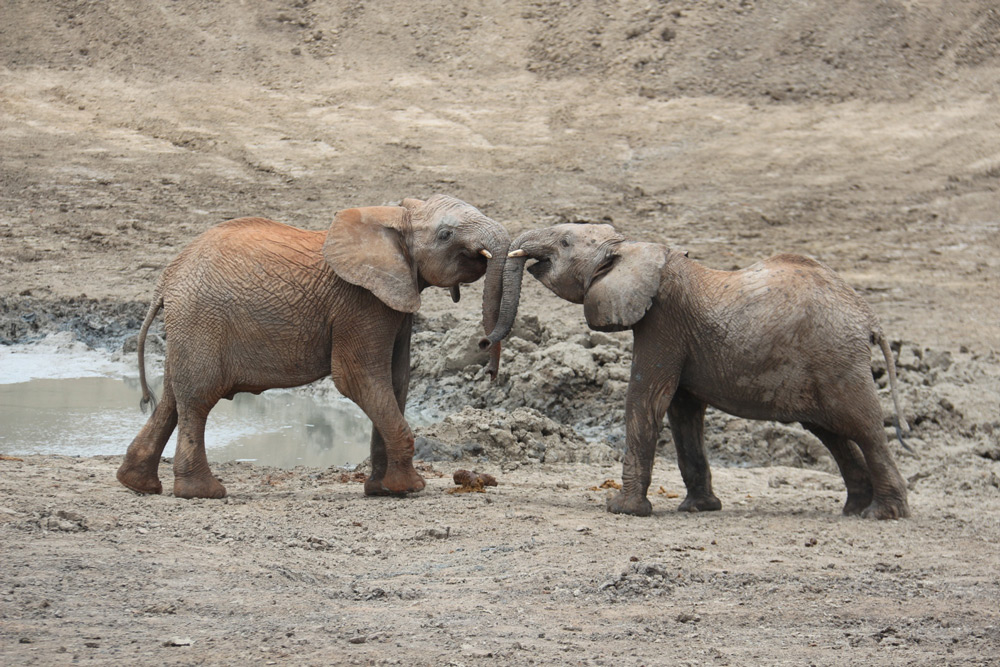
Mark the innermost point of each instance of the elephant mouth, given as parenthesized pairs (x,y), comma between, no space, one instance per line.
(601,271)
(540,268)
(471,264)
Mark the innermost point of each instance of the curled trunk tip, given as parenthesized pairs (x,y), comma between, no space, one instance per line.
(495,253)
(512,276)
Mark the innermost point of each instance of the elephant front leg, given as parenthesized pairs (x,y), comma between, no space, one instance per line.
(393,473)
(687,427)
(644,409)
(381,393)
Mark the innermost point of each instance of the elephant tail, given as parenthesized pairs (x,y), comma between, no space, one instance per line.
(890,367)
(148,397)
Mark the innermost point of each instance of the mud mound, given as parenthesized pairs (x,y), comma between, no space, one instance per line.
(559,374)
(580,380)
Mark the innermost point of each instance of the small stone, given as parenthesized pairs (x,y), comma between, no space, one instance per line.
(178,641)
(433,534)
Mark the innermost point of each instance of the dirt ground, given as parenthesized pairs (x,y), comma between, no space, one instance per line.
(866,134)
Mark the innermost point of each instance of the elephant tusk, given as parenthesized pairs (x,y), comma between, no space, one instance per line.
(486,253)
(517,253)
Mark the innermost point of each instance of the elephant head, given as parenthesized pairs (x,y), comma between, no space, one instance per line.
(615,280)
(396,251)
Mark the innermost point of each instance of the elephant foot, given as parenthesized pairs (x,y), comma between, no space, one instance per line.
(198,487)
(397,481)
(857,503)
(634,505)
(704,503)
(139,478)
(886,508)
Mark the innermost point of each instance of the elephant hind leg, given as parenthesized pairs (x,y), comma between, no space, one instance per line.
(142,460)
(860,420)
(888,489)
(192,475)
(852,466)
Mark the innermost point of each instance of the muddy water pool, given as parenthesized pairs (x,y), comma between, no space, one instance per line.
(59,397)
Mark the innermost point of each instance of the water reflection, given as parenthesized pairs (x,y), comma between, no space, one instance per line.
(87,416)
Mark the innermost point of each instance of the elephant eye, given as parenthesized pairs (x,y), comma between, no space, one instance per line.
(564,243)
(444,235)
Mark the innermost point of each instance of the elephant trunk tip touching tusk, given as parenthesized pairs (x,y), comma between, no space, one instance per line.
(517,253)
(486,253)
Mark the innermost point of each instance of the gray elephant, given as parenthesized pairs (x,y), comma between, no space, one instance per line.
(253,304)
(785,339)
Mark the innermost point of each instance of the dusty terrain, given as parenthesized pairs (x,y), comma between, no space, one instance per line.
(866,134)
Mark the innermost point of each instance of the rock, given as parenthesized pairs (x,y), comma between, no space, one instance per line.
(64,521)
(911,359)
(178,641)
(434,534)
(432,449)
(988,451)
(938,359)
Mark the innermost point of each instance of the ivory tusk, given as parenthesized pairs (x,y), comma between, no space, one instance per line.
(517,253)
(486,253)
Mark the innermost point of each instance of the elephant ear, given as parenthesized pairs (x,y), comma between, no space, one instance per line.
(367,247)
(620,297)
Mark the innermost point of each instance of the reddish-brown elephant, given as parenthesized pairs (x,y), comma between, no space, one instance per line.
(785,339)
(253,304)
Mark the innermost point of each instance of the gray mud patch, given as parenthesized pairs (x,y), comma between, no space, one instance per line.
(100,323)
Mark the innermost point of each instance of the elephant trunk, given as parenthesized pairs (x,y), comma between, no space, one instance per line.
(513,274)
(497,245)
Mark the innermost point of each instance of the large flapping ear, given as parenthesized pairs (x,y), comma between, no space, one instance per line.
(620,297)
(367,247)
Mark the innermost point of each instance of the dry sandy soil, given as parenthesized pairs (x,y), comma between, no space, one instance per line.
(866,134)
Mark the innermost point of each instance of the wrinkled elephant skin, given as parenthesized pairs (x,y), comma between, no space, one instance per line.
(253,304)
(785,339)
